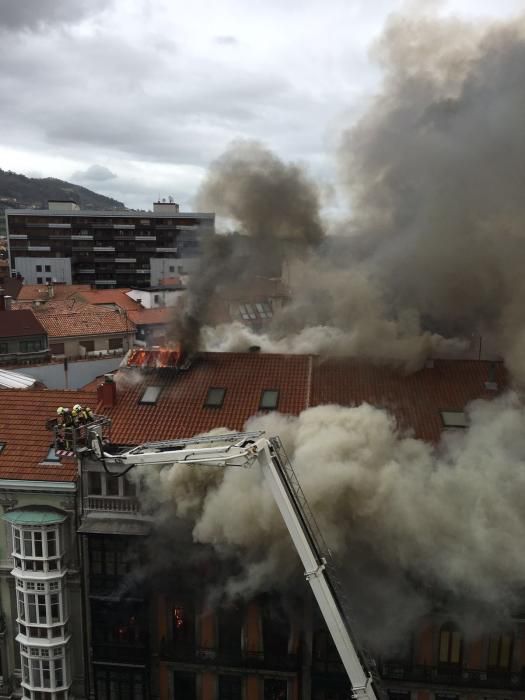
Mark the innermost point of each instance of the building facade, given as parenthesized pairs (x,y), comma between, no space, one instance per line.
(104,248)
(148,628)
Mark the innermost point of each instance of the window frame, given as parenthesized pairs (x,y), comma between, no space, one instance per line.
(264,394)
(215,403)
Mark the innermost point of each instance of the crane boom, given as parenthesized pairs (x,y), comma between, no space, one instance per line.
(243,450)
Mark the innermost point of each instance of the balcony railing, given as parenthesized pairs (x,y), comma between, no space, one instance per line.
(474,678)
(111,504)
(229,657)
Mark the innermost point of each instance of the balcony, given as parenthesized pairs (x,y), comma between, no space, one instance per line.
(120,653)
(111,504)
(471,678)
(189,653)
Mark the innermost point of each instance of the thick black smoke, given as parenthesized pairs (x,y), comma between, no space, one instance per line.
(275,209)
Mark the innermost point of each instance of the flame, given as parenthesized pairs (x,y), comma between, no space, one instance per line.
(169,356)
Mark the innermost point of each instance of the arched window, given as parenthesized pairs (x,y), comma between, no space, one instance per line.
(450,645)
(500,652)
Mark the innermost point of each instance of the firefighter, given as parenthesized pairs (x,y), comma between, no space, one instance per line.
(89,414)
(65,420)
(78,415)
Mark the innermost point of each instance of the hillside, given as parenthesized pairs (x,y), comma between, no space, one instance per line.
(21,192)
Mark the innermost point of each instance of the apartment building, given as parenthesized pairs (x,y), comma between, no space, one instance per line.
(151,629)
(42,655)
(105,249)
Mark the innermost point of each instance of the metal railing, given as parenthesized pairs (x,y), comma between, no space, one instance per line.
(111,504)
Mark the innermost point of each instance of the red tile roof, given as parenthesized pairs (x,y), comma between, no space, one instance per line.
(19,324)
(70,318)
(23,414)
(11,286)
(39,292)
(117,297)
(180,410)
(151,317)
(416,399)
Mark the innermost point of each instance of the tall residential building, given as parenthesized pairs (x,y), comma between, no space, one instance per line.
(69,245)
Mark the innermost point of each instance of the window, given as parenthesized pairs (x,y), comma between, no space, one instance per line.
(3,349)
(230,688)
(500,652)
(47,268)
(94,483)
(57,348)
(52,455)
(39,269)
(275,689)
(88,345)
(215,397)
(39,280)
(115,344)
(269,399)
(184,685)
(230,621)
(172,268)
(156,298)
(48,280)
(119,685)
(454,419)
(450,644)
(30,345)
(112,483)
(151,395)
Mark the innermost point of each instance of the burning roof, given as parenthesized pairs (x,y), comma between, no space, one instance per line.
(156,358)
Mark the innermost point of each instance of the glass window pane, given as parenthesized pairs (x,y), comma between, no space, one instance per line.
(444,640)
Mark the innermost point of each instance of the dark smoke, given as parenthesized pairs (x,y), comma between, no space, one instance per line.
(436,172)
(275,209)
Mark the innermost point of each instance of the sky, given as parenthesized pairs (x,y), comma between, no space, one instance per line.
(134,98)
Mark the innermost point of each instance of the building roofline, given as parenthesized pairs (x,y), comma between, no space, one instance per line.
(111,214)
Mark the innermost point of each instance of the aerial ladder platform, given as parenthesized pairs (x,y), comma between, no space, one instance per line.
(244,450)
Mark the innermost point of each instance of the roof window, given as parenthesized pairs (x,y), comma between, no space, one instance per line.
(215,397)
(454,419)
(2,446)
(253,312)
(151,395)
(269,399)
(52,456)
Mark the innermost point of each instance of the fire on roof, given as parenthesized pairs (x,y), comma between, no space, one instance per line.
(155,358)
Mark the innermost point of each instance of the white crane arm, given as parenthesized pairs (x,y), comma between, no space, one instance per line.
(243,450)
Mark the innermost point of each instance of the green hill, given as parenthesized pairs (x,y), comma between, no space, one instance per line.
(21,192)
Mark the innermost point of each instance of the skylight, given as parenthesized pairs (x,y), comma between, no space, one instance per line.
(454,419)
(253,312)
(151,395)
(269,399)
(215,397)
(52,455)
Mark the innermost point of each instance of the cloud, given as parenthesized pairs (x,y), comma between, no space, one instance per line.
(95,173)
(33,14)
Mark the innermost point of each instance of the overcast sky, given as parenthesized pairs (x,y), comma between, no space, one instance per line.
(133,98)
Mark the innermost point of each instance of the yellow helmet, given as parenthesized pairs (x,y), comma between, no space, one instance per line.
(61,410)
(77,408)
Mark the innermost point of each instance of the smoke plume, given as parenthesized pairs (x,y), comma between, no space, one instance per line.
(276,211)
(437,523)
(434,171)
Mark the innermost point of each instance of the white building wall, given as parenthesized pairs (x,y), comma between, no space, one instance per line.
(154,299)
(161,268)
(59,270)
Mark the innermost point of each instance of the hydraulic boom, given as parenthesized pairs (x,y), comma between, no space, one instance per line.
(244,450)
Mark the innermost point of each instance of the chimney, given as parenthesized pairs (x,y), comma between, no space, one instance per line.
(254,348)
(107,392)
(50,290)
(491,384)
(8,302)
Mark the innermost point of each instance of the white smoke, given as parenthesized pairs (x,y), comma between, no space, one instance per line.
(449,517)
